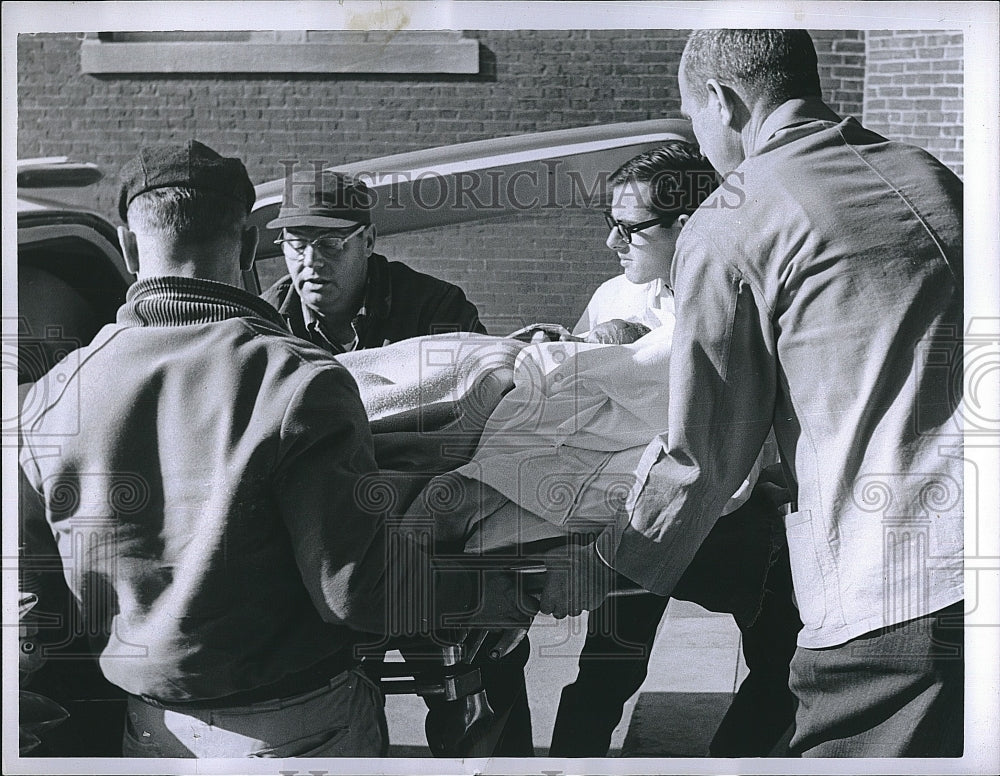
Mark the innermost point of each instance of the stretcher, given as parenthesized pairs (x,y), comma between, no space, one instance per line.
(520,447)
(429,401)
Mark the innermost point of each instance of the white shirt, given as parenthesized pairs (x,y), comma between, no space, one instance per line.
(650,303)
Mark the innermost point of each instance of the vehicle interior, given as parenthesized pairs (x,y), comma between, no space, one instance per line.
(68,287)
(70,283)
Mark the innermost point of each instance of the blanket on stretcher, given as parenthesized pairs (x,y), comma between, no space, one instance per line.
(557,428)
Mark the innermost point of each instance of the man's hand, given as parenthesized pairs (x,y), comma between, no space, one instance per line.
(617,332)
(576,580)
(503,606)
(771,484)
(544,332)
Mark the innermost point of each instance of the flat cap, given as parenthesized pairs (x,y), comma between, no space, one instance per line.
(193,165)
(335,200)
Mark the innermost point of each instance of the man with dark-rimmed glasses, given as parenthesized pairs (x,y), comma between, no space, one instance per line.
(827,307)
(741,567)
(340,294)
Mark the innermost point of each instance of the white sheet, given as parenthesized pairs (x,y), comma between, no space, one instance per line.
(567,442)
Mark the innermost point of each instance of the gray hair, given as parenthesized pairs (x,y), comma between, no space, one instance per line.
(770,65)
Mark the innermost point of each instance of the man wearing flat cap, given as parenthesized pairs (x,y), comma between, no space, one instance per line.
(198,468)
(340,294)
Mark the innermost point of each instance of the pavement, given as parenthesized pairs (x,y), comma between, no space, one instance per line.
(694,669)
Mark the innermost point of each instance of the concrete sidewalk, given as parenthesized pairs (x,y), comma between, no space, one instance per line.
(695,667)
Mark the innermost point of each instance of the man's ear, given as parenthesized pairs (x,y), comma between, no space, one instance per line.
(725,101)
(369,237)
(130,249)
(248,247)
(682,219)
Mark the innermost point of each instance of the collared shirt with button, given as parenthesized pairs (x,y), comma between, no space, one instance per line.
(399,303)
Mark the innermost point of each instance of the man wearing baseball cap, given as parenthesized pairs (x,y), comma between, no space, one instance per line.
(340,294)
(200,469)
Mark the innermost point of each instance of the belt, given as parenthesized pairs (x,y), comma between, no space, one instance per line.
(312,678)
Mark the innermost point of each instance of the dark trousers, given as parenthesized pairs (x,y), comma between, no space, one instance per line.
(508,697)
(895,692)
(741,568)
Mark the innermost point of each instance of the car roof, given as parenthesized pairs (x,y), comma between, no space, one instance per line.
(448,184)
(54,183)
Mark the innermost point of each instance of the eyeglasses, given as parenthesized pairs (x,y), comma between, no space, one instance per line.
(625,231)
(325,244)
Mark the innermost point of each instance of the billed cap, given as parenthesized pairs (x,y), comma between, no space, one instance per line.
(335,199)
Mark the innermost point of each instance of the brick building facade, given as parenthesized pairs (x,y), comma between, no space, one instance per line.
(913,90)
(905,84)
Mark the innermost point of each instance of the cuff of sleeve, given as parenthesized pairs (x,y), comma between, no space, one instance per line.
(654,451)
(605,547)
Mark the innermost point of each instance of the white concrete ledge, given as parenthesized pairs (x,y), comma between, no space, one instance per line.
(404,52)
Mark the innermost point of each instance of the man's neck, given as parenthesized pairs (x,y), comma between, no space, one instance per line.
(219,261)
(230,279)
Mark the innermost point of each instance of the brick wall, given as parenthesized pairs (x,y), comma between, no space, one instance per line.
(518,269)
(913,90)
(841,59)
(529,81)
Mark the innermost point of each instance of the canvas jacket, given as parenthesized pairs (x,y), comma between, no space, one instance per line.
(823,295)
(400,303)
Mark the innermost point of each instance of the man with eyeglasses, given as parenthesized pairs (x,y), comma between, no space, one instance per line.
(642,231)
(198,470)
(742,567)
(340,294)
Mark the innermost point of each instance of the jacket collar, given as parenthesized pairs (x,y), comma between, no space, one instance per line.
(791,114)
(378,294)
(178,301)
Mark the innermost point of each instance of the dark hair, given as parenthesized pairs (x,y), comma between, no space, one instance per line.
(770,65)
(679,178)
(187,214)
